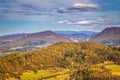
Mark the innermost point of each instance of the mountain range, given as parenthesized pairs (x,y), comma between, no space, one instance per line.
(30,41)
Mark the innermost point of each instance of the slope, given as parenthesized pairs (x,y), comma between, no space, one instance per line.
(109,36)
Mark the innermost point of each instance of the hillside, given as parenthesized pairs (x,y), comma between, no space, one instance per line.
(63,55)
(109,36)
(12,37)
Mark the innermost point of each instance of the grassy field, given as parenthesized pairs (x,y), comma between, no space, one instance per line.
(49,74)
(114,68)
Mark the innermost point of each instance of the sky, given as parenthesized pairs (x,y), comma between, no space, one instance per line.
(28,16)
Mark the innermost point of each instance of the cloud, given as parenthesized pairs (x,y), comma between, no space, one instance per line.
(79,7)
(84,22)
(98,21)
(54,10)
(64,21)
(81,22)
(46,7)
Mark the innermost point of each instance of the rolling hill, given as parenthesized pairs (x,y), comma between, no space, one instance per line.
(64,55)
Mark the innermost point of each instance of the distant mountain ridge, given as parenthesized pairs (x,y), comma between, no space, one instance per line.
(12,37)
(30,41)
(89,33)
(109,36)
(80,36)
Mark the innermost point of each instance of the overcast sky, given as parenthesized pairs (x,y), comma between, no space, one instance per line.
(26,16)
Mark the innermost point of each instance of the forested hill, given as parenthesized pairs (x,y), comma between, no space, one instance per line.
(62,55)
